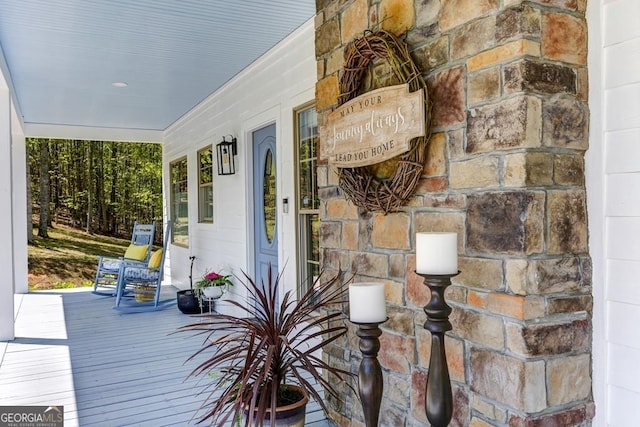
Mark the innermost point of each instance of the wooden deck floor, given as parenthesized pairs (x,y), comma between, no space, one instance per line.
(105,367)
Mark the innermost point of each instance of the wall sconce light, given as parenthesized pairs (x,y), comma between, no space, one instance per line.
(227,151)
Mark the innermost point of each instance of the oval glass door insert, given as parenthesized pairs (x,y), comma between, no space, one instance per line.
(269,196)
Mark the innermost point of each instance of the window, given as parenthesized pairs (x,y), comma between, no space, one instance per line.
(306,140)
(179,202)
(205,185)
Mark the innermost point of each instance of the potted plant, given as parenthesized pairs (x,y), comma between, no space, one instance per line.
(187,299)
(265,360)
(213,285)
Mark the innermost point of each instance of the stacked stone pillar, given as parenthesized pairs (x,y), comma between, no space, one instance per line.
(508,81)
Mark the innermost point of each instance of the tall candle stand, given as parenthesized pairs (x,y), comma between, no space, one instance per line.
(370,382)
(438,398)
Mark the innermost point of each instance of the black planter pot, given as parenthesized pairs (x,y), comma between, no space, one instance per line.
(188,303)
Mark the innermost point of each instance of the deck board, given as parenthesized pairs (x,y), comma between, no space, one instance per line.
(105,367)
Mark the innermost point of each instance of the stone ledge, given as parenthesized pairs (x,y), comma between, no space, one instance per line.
(513,123)
(509,222)
(534,340)
(522,383)
(503,53)
(569,417)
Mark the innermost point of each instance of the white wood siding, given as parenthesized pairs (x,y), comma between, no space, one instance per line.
(266,92)
(613,183)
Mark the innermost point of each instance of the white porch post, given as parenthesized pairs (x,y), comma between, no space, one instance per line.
(19,204)
(7,274)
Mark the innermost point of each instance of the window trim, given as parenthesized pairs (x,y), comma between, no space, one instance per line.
(301,213)
(172,193)
(201,219)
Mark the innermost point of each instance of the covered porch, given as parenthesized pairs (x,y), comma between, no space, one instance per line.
(103,366)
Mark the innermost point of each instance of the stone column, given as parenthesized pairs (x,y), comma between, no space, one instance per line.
(505,170)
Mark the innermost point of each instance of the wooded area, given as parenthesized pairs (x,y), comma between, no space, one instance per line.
(102,187)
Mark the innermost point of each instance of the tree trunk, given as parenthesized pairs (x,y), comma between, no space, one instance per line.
(89,186)
(100,192)
(44,189)
(77,169)
(29,205)
(113,226)
(54,180)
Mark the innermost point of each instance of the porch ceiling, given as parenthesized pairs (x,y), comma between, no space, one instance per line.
(64,55)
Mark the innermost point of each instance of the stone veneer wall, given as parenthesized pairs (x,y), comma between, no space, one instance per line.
(508,80)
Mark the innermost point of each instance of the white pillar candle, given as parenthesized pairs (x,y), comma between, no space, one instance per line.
(437,253)
(367,303)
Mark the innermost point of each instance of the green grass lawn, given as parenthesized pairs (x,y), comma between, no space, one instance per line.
(68,258)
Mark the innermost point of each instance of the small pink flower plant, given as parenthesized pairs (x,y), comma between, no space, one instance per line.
(214,279)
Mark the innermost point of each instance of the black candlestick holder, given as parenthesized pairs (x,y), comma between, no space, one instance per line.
(370,381)
(438,397)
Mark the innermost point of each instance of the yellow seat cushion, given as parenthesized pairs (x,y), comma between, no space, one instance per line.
(156,259)
(137,252)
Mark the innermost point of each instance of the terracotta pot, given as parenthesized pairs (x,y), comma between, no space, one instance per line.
(291,415)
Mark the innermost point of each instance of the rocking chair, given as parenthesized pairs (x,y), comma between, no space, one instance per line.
(139,286)
(138,252)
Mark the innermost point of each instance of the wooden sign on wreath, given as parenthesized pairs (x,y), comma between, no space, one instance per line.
(365,186)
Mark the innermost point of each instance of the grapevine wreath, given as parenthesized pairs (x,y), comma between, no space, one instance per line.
(364,186)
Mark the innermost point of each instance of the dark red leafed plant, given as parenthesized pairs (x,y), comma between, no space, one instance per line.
(251,357)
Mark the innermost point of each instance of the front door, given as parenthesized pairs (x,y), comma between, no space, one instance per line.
(265,202)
